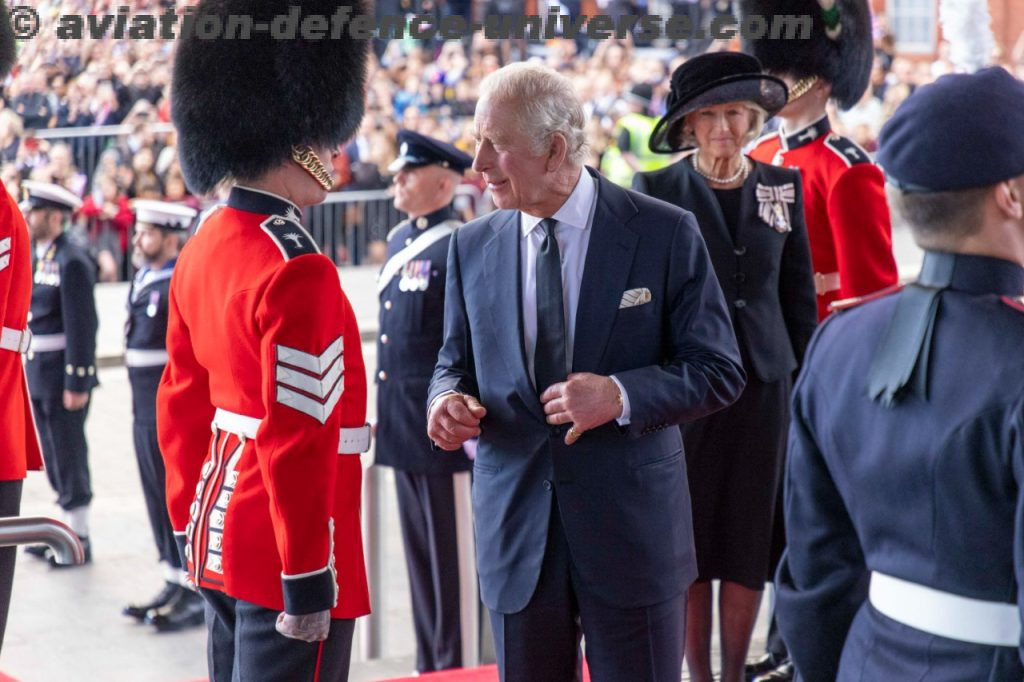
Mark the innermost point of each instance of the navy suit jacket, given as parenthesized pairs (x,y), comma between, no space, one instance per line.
(621,492)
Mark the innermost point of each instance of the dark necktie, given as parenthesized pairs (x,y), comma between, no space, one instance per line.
(549,357)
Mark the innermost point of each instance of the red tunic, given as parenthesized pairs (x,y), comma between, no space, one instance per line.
(263,344)
(847,215)
(19,442)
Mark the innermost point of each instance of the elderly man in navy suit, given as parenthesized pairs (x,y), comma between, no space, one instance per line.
(582,320)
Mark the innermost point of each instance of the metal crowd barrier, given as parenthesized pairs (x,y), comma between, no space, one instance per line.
(29,530)
(88,143)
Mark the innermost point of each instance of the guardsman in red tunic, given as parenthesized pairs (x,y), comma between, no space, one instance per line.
(19,442)
(264,351)
(848,225)
(848,222)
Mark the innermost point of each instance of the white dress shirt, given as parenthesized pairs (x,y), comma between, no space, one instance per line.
(575,218)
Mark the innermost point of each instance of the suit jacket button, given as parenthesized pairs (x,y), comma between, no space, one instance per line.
(547,485)
(740,250)
(382,375)
(739,276)
(384,339)
(387,305)
(739,304)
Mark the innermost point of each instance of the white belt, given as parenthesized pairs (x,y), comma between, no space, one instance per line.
(945,614)
(352,441)
(45,343)
(824,284)
(137,357)
(17,340)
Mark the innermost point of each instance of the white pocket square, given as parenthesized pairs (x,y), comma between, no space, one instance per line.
(635,297)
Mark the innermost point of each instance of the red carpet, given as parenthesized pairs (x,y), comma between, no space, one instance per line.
(487,673)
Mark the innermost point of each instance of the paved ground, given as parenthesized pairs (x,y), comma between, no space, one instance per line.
(66,625)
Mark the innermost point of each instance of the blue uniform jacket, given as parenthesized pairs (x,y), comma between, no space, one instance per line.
(63,303)
(928,490)
(411,332)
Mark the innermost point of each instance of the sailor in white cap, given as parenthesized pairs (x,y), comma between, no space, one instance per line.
(61,362)
(161,229)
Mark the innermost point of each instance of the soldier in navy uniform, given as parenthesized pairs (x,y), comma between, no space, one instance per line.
(904,495)
(411,288)
(61,365)
(160,230)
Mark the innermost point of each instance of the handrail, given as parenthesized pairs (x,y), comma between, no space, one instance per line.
(24,530)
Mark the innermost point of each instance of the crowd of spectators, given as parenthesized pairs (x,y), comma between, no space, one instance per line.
(430,88)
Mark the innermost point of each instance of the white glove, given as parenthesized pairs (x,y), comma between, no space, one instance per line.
(309,627)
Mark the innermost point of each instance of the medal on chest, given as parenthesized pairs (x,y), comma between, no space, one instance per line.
(154,302)
(773,205)
(415,276)
(47,269)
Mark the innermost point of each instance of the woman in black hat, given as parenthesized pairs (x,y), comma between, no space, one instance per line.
(752,220)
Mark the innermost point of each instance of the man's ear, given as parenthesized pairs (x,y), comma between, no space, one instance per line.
(1009,198)
(558,152)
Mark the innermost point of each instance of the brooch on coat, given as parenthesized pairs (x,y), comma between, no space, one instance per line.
(773,205)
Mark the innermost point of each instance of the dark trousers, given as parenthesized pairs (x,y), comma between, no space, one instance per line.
(151,471)
(10,505)
(243,645)
(65,451)
(426,510)
(540,643)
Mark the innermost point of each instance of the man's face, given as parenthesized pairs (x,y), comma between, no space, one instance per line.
(42,221)
(420,188)
(515,176)
(149,241)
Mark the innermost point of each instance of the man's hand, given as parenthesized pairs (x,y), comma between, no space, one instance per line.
(74,400)
(310,627)
(454,419)
(584,400)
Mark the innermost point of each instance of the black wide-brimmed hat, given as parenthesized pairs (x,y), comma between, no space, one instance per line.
(240,105)
(710,79)
(839,47)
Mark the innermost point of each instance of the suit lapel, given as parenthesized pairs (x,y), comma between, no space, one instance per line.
(707,209)
(605,275)
(501,257)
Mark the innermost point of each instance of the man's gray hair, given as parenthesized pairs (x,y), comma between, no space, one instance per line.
(547,104)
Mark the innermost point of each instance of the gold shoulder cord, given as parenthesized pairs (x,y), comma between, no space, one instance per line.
(311,163)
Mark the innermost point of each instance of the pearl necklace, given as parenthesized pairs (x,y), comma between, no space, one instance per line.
(741,173)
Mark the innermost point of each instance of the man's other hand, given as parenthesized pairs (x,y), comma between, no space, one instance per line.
(454,419)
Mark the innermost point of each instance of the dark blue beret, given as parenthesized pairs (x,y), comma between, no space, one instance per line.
(415,150)
(960,132)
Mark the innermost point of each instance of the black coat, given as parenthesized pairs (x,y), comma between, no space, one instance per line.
(411,333)
(63,303)
(766,275)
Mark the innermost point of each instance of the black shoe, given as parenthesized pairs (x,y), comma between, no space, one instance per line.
(784,673)
(139,611)
(759,666)
(185,611)
(38,551)
(51,556)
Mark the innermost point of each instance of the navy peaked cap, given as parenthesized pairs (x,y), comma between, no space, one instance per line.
(960,132)
(415,150)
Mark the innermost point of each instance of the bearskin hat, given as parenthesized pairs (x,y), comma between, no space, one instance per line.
(8,50)
(241,104)
(839,50)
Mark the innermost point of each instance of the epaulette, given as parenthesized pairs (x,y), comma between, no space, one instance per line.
(205,215)
(1015,302)
(846,149)
(854,301)
(290,237)
(395,229)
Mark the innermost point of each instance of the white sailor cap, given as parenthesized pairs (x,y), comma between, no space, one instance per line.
(164,214)
(48,195)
